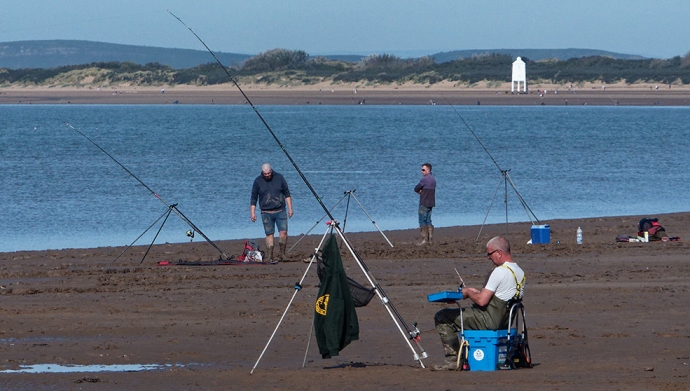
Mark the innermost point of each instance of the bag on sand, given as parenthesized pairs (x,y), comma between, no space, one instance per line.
(251,252)
(655,231)
(519,356)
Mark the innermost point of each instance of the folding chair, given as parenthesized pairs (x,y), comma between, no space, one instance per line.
(518,354)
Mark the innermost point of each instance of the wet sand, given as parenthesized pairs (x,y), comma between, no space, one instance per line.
(601,315)
(325,94)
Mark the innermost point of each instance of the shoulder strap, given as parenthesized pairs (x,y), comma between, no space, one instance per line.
(518,285)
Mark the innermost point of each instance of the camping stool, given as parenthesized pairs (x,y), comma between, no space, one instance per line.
(490,350)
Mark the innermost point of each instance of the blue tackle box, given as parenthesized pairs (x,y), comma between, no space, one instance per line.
(445,297)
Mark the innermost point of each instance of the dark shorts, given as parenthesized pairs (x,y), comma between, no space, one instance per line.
(271,220)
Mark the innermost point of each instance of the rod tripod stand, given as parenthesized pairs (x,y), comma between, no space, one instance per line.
(505,179)
(348,194)
(171,208)
(166,214)
(409,334)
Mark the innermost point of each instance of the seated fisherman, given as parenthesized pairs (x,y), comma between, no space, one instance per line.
(489,309)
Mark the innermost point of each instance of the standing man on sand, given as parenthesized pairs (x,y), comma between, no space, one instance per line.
(489,309)
(273,194)
(427,200)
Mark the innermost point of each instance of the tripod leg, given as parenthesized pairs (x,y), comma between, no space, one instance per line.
(528,210)
(298,287)
(408,334)
(347,208)
(306,351)
(372,220)
(487,212)
(317,223)
(155,237)
(139,237)
(173,207)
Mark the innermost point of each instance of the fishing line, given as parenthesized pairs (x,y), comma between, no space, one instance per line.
(170,207)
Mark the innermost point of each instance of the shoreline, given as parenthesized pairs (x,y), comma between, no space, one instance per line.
(406,233)
(353,94)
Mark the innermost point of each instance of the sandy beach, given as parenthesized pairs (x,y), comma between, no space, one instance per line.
(345,94)
(601,315)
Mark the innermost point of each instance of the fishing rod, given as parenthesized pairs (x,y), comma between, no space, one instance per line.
(282,147)
(412,334)
(474,134)
(462,282)
(172,207)
(504,173)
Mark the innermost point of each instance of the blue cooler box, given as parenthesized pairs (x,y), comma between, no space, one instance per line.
(487,348)
(541,234)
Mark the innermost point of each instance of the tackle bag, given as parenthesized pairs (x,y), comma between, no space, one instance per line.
(251,252)
(655,231)
(519,355)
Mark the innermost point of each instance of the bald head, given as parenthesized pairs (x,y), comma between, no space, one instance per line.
(267,172)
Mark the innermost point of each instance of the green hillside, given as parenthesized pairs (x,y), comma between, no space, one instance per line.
(294,67)
(56,53)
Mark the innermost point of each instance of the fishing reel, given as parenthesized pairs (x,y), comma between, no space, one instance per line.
(415,333)
(190,234)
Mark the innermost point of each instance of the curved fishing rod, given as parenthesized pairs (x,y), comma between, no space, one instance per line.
(507,178)
(170,207)
(412,334)
(474,134)
(282,147)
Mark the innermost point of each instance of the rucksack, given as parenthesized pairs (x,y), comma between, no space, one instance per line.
(652,227)
(251,252)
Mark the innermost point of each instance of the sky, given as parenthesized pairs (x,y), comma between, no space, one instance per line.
(405,28)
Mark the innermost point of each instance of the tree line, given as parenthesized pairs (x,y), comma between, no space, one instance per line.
(297,67)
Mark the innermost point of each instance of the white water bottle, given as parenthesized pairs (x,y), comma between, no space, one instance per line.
(579,235)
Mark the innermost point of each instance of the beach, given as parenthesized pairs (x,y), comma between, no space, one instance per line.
(344,94)
(601,315)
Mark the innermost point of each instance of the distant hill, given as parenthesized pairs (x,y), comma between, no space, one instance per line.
(533,54)
(54,53)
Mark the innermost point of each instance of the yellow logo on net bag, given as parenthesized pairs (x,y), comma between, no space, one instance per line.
(322,304)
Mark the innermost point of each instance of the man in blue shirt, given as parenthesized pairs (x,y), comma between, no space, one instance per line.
(427,200)
(271,191)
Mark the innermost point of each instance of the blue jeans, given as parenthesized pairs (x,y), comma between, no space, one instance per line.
(271,220)
(425,215)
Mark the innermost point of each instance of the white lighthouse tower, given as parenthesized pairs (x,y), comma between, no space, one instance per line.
(519,75)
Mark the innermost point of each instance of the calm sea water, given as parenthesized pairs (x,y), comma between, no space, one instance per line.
(59,191)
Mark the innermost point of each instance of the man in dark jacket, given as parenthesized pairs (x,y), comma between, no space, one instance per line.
(271,191)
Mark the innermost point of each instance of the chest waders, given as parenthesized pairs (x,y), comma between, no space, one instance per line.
(494,315)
